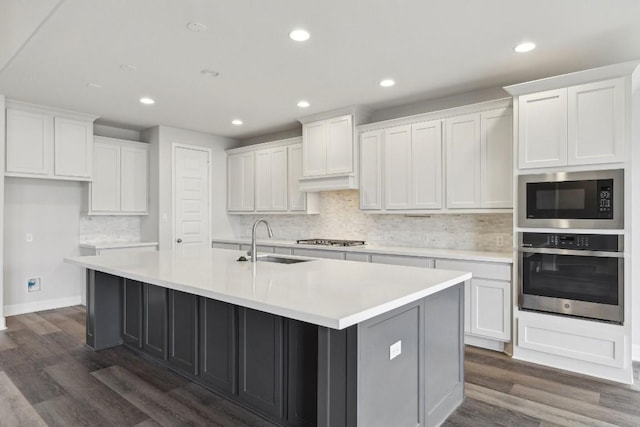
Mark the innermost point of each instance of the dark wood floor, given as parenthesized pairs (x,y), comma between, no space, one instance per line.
(48,377)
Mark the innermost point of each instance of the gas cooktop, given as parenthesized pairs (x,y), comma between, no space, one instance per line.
(331,242)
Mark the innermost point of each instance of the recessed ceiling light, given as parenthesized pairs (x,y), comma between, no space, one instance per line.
(525,47)
(236,122)
(209,73)
(303,104)
(387,83)
(128,67)
(94,85)
(196,27)
(147,101)
(299,35)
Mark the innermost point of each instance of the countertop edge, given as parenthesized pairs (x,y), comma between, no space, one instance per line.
(115,245)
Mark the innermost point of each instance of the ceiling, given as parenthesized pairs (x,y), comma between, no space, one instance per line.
(50,50)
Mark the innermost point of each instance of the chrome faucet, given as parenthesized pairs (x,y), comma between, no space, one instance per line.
(254,251)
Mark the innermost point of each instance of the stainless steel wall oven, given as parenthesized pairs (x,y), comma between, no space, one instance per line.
(572,274)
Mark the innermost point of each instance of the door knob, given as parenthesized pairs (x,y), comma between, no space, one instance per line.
(179,240)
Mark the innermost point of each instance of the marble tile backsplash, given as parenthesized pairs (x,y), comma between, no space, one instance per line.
(340,218)
(109,229)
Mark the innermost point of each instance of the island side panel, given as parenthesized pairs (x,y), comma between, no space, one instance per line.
(103,310)
(444,354)
(337,377)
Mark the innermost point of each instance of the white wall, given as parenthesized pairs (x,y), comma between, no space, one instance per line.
(50,211)
(159,224)
(2,148)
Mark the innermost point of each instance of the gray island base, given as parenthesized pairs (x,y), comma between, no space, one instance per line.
(403,367)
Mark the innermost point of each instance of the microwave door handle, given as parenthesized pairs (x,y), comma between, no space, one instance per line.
(553,251)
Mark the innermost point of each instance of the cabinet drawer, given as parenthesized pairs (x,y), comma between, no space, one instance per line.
(402,260)
(131,249)
(351,256)
(318,253)
(487,270)
(220,245)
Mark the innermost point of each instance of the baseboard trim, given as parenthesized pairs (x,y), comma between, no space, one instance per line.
(635,352)
(15,309)
(3,324)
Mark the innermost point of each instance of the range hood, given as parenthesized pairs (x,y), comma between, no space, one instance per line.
(328,183)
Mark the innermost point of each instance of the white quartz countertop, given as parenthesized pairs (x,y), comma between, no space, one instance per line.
(500,257)
(116,245)
(330,293)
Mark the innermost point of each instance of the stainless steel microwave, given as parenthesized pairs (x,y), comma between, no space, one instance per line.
(589,200)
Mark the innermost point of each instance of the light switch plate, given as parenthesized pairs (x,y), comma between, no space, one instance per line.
(395,349)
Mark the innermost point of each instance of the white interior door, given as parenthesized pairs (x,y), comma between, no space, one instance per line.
(191,198)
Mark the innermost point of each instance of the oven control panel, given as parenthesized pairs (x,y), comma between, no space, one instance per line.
(590,242)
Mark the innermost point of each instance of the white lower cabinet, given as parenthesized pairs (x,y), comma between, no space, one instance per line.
(487,298)
(318,253)
(408,261)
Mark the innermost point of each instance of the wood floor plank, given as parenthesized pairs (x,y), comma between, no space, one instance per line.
(479,414)
(79,384)
(512,377)
(587,409)
(218,410)
(6,342)
(37,324)
(148,423)
(15,410)
(65,322)
(147,398)
(532,409)
(64,411)
(34,382)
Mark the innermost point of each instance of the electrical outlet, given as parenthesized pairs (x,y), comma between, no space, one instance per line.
(395,350)
(33,285)
(499,240)
(29,237)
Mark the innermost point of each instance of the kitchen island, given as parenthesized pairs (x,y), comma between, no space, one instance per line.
(319,342)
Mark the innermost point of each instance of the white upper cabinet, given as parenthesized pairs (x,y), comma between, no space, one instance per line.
(240,182)
(371,170)
(578,125)
(339,140)
(265,178)
(596,122)
(271,179)
(47,143)
(297,199)
(542,129)
(121,178)
(496,154)
(463,161)
(314,149)
(402,166)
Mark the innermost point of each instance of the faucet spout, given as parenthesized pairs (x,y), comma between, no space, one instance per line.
(254,251)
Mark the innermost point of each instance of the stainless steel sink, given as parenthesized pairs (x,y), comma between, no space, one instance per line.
(281,260)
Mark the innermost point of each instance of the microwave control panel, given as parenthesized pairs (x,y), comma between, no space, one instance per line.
(605,198)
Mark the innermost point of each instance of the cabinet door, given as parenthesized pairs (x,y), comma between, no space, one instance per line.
(105,187)
(261,361)
(371,170)
(279,179)
(467,306)
(340,145)
(463,162)
(155,321)
(314,149)
(134,166)
(542,129)
(240,181)
(183,331)
(263,180)
(29,142)
(596,122)
(496,153)
(302,372)
(490,309)
(73,148)
(426,167)
(132,313)
(297,198)
(397,171)
(218,345)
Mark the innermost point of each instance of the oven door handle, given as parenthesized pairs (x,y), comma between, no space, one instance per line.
(553,251)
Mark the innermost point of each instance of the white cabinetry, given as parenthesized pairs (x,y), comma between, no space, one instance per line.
(240,182)
(487,296)
(44,142)
(463,161)
(265,178)
(576,125)
(371,170)
(271,179)
(120,182)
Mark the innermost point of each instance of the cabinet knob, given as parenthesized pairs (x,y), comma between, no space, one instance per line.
(179,240)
